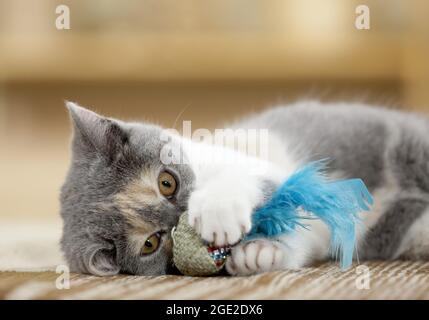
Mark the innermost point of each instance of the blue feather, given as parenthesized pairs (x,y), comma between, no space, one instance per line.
(336,203)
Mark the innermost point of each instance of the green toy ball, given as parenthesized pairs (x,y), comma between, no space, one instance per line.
(191,255)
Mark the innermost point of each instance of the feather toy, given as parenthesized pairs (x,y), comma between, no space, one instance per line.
(306,194)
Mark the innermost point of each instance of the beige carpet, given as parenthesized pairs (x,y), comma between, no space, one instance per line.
(29,255)
(30,245)
(396,280)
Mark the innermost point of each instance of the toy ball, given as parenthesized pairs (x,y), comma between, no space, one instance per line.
(191,255)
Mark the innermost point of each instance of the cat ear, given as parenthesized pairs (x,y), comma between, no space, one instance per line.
(101,261)
(95,133)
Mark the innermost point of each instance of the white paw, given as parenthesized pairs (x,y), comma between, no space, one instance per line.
(220,216)
(254,257)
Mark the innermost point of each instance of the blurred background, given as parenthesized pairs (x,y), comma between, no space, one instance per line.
(200,60)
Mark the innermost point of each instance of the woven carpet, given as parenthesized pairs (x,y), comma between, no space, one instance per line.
(29,254)
(381,280)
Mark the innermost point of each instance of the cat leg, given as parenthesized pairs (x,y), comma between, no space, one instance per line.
(415,244)
(220,210)
(402,228)
(221,205)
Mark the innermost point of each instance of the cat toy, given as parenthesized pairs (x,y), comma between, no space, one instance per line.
(308,190)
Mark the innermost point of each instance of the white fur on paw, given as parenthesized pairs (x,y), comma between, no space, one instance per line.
(254,257)
(220,217)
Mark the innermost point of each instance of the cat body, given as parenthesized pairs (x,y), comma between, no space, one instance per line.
(116,208)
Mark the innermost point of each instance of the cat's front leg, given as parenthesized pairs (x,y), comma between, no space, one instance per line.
(229,185)
(221,206)
(256,256)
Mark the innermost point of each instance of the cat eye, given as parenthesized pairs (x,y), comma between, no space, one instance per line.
(151,244)
(167,184)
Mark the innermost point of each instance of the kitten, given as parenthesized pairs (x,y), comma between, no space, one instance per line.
(120,201)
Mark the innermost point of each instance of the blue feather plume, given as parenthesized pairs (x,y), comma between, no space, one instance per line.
(336,203)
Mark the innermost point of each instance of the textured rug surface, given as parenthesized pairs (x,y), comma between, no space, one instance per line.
(29,254)
(30,245)
(375,280)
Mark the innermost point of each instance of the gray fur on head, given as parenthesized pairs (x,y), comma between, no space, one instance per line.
(103,212)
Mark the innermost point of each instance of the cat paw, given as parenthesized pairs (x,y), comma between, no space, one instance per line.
(220,218)
(254,257)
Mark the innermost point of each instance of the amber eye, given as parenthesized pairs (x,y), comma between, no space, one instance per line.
(151,243)
(167,184)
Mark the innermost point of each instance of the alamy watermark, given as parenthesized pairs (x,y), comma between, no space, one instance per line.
(362,21)
(220,146)
(363,279)
(62,21)
(63,280)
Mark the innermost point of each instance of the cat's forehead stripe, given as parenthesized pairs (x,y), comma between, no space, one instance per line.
(143,191)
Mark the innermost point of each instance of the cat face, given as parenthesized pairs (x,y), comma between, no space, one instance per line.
(120,201)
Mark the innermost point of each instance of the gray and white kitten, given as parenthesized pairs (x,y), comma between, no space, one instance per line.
(120,201)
